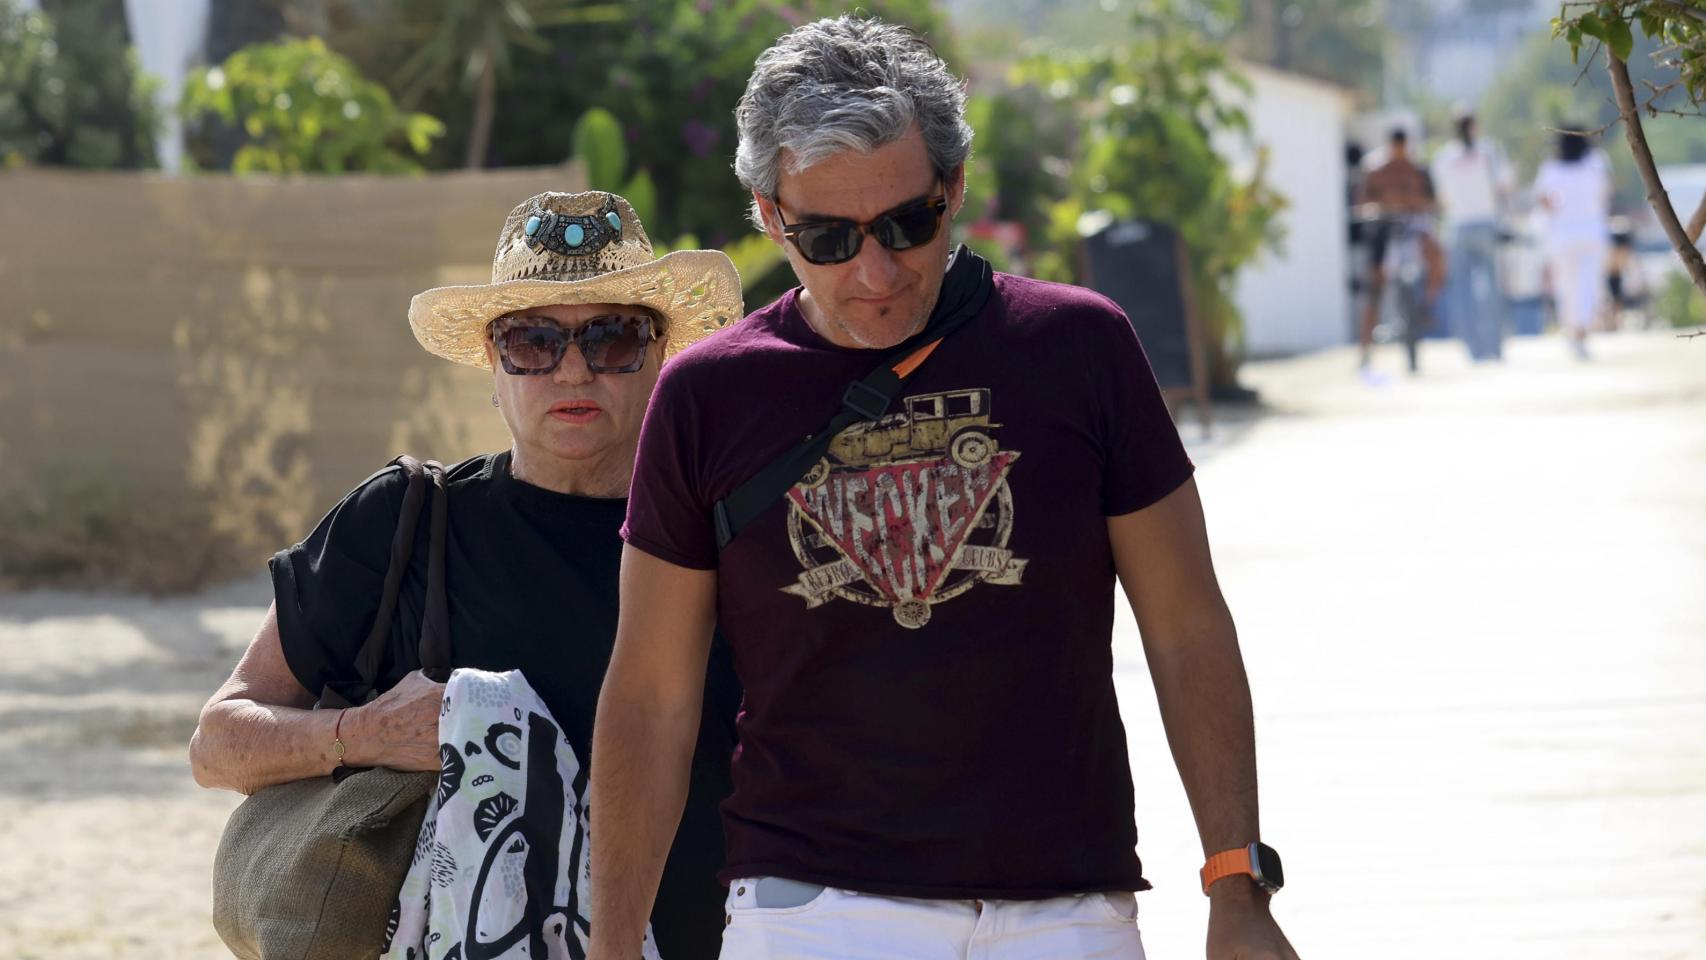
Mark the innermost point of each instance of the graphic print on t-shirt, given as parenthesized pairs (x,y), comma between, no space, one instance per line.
(907,511)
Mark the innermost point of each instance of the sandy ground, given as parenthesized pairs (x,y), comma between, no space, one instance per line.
(1474,613)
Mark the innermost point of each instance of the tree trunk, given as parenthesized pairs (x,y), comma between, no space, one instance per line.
(485,106)
(1657,197)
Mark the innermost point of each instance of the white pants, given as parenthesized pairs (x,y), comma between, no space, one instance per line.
(844,925)
(1577,264)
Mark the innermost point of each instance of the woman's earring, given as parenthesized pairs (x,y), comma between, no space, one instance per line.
(494,399)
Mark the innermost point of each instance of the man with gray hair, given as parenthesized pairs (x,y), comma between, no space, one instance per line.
(919,594)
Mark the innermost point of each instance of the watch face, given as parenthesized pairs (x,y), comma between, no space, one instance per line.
(1266,861)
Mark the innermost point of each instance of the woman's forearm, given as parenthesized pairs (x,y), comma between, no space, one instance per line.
(243,745)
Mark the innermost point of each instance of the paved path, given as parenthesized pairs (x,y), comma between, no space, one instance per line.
(1473,608)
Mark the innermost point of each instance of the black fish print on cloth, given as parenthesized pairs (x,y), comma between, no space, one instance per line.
(450,770)
(492,812)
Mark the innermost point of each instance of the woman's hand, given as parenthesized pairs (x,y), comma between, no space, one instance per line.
(399,729)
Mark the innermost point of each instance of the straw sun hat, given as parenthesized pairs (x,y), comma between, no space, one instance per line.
(574,248)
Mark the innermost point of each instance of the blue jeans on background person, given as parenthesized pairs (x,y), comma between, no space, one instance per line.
(1474,299)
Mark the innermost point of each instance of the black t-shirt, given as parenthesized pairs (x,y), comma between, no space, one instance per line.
(532,583)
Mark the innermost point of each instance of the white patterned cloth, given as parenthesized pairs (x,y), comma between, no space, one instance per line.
(500,869)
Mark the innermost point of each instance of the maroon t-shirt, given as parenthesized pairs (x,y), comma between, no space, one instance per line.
(923,624)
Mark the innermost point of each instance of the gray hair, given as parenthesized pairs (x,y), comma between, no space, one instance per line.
(840,84)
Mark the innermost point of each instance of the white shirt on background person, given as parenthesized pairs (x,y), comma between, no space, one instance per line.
(1471,181)
(1578,194)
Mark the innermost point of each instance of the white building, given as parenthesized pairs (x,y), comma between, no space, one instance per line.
(1297,299)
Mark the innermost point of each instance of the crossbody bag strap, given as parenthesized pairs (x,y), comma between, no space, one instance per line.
(435,626)
(865,399)
(372,652)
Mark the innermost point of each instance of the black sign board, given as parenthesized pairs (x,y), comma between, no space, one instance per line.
(1140,265)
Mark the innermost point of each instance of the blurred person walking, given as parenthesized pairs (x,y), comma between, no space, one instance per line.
(1625,283)
(1473,182)
(1397,200)
(1574,190)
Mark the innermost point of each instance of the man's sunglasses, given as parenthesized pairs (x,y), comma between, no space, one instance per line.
(826,242)
(614,343)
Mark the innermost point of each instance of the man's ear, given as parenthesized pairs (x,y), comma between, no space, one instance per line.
(956,189)
(769,217)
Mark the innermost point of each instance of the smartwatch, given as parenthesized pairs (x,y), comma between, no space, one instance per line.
(1259,860)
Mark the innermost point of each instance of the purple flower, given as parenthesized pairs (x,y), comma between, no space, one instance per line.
(701,138)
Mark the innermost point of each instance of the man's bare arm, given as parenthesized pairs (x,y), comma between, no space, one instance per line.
(642,741)
(258,730)
(1161,554)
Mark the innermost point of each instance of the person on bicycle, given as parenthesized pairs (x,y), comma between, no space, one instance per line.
(1395,188)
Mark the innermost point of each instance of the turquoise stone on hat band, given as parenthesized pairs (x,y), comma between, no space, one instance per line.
(614,221)
(574,235)
(532,226)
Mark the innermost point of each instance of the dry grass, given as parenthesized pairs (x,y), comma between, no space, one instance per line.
(80,530)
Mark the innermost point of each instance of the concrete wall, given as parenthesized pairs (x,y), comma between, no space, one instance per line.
(232,355)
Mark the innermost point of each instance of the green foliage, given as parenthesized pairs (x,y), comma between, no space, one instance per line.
(456,46)
(452,40)
(1021,156)
(1678,27)
(1151,114)
(598,145)
(71,91)
(1679,303)
(305,109)
(754,256)
(670,72)
(1339,41)
(642,195)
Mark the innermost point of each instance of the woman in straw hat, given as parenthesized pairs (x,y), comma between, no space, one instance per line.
(574,326)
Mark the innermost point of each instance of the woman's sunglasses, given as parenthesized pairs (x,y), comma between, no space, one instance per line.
(615,343)
(826,242)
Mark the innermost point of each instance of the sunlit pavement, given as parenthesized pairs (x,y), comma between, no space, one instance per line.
(1473,610)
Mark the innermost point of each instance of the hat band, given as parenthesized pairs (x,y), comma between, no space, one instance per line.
(567,269)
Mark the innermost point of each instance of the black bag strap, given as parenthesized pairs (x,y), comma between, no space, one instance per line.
(965,291)
(434,647)
(435,628)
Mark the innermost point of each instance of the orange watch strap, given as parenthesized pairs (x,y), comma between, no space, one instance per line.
(1225,864)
